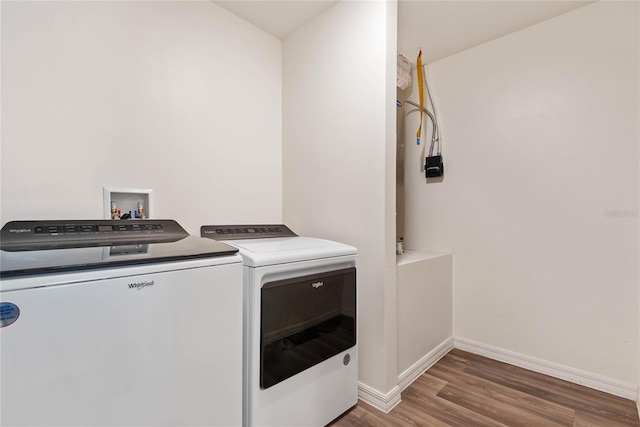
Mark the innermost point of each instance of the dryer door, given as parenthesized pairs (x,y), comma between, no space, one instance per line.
(304,321)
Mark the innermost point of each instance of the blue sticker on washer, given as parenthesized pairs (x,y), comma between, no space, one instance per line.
(9,313)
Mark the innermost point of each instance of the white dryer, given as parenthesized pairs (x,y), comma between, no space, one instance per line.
(300,346)
(118,323)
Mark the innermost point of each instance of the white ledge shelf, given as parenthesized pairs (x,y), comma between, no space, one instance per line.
(410,256)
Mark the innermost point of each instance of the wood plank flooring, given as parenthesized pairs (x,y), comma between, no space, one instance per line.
(464,389)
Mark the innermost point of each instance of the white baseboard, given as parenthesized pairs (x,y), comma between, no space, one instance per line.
(577,376)
(382,402)
(413,372)
(386,402)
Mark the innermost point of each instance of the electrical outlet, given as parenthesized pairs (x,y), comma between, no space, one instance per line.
(434,167)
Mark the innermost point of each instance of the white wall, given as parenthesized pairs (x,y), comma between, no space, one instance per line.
(339,178)
(424,306)
(181,97)
(539,204)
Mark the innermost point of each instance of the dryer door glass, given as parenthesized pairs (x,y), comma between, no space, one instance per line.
(305,321)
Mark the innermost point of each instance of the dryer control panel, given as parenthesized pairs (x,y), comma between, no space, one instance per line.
(236,232)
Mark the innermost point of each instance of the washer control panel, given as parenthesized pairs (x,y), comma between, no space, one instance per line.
(34,235)
(54,229)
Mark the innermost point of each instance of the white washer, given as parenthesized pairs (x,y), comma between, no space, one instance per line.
(118,323)
(300,347)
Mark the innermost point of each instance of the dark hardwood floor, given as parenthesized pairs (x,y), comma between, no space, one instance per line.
(464,389)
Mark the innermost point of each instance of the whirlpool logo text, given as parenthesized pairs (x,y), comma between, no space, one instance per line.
(141,285)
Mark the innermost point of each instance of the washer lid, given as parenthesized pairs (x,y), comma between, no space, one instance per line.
(281,250)
(46,247)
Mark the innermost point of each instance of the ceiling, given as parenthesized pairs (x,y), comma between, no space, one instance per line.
(440,27)
(278,18)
